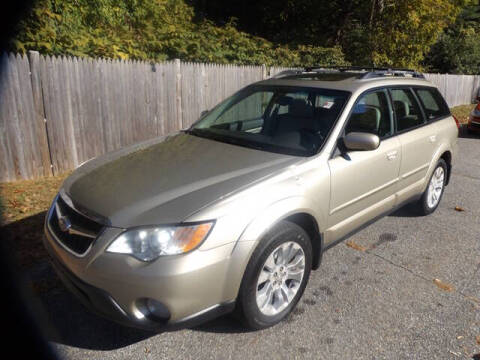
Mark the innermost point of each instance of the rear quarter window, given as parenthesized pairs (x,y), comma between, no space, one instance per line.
(433,103)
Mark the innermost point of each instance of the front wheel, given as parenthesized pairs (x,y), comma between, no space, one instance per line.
(430,199)
(275,277)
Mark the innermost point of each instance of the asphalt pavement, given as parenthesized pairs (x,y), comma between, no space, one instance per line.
(407,287)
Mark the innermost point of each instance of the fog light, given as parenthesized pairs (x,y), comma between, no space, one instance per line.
(154,310)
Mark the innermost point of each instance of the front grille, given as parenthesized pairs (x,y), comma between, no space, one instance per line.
(72,229)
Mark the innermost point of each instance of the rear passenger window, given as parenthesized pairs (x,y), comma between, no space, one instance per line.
(433,103)
(407,110)
(371,114)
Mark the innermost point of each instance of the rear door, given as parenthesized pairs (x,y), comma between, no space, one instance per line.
(418,140)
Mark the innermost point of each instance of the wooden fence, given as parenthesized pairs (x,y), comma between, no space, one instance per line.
(57,112)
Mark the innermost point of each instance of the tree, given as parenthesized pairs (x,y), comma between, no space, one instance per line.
(458,48)
(381,32)
(402,33)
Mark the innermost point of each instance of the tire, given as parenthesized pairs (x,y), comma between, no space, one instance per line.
(426,204)
(281,276)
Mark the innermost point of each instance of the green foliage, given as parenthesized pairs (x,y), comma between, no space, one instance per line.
(381,32)
(458,48)
(404,30)
(153,30)
(289,32)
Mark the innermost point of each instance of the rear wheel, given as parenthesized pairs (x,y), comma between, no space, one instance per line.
(434,192)
(276,276)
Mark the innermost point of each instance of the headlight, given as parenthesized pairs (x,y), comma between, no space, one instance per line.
(147,244)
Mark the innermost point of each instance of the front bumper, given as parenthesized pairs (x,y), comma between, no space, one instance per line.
(193,287)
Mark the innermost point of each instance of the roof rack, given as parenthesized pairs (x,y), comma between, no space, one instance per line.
(365,71)
(288,73)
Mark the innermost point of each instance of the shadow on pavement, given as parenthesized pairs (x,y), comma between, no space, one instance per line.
(25,237)
(225,325)
(406,211)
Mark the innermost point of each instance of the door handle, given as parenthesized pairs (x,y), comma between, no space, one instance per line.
(392,155)
(433,138)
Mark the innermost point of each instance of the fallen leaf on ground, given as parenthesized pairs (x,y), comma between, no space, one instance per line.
(355,246)
(14,203)
(442,285)
(458,208)
(459,337)
(478,339)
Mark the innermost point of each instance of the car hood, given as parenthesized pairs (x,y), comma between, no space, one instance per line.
(165,180)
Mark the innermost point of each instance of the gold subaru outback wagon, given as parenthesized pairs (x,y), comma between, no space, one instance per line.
(233,213)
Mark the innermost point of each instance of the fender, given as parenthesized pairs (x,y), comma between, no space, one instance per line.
(255,230)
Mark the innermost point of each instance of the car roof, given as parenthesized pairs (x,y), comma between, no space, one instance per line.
(351,81)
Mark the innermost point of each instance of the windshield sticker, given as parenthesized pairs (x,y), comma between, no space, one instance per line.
(327,104)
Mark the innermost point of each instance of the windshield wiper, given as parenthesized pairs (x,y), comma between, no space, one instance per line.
(205,133)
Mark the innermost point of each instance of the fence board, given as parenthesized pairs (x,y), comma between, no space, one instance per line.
(20,144)
(95,106)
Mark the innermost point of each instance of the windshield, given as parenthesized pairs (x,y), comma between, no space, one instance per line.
(289,120)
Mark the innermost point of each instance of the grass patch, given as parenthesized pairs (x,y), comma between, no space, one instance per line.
(462,112)
(21,199)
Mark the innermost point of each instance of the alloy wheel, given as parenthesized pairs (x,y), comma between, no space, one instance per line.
(435,187)
(280,278)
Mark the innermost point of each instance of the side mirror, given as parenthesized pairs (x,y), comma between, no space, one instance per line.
(203,113)
(361,141)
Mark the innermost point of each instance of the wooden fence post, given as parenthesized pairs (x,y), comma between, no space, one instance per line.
(178,93)
(41,131)
(264,72)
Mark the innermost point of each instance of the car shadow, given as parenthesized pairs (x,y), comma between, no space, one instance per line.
(225,324)
(406,211)
(25,238)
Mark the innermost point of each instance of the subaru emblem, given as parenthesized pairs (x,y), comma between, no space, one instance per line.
(64,223)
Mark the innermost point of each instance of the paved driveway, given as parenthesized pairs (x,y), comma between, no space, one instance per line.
(375,300)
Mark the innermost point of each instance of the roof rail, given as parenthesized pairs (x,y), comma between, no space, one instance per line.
(379,72)
(366,72)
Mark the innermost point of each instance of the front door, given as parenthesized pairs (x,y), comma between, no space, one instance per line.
(364,183)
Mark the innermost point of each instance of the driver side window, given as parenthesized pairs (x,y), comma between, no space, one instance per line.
(371,114)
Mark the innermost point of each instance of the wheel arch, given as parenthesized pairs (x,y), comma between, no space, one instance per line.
(447,157)
(308,223)
(286,210)
(445,153)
